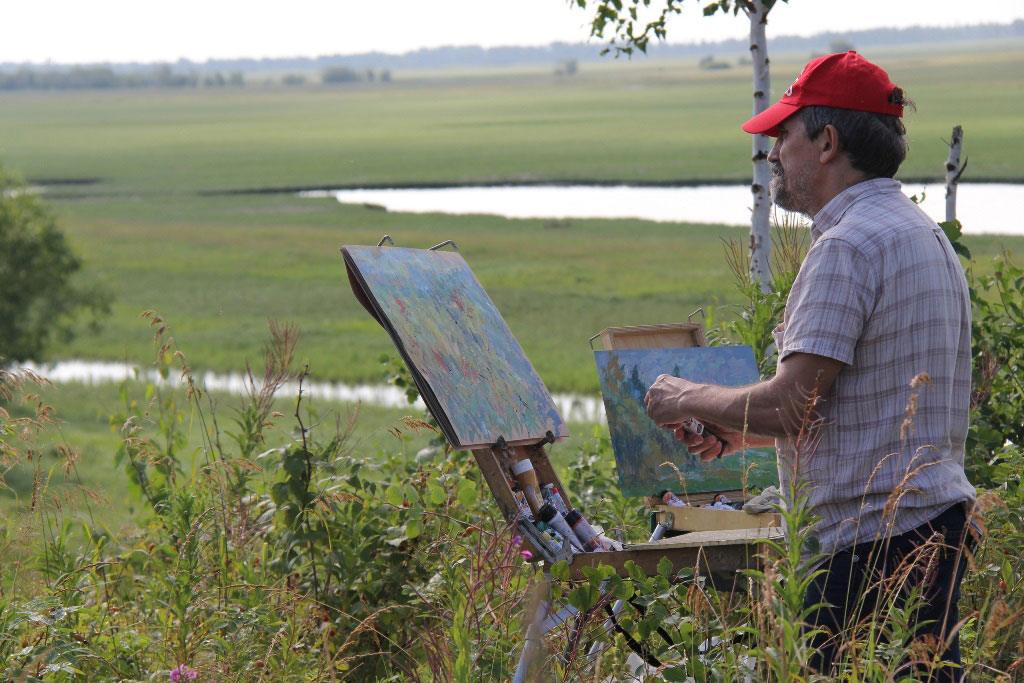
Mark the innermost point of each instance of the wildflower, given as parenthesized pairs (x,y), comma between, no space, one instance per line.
(526,554)
(517,539)
(182,673)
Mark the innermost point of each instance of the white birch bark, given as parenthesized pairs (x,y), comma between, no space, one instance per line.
(953,170)
(760,235)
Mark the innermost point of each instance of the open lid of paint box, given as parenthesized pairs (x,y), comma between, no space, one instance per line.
(649,460)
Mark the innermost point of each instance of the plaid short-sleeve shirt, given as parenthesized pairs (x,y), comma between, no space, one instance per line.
(882,291)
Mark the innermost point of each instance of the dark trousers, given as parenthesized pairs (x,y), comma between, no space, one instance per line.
(856,581)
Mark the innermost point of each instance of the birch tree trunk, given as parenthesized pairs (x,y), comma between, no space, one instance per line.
(953,171)
(760,236)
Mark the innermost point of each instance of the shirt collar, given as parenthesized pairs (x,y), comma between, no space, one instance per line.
(832,212)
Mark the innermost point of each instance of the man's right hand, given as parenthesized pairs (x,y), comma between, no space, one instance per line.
(708,447)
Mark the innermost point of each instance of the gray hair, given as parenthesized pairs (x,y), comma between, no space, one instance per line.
(875,143)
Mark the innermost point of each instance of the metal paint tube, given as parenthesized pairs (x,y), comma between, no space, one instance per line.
(524,510)
(551,495)
(587,534)
(527,478)
(554,519)
(669,498)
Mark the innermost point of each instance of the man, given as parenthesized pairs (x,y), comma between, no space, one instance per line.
(880,300)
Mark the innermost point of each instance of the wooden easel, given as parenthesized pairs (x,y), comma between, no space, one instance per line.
(715,543)
(717,551)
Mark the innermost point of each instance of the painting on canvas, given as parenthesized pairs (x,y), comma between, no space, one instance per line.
(649,459)
(470,370)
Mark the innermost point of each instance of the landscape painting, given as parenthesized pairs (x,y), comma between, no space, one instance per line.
(648,458)
(470,370)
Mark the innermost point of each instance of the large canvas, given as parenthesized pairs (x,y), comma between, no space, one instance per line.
(649,459)
(470,370)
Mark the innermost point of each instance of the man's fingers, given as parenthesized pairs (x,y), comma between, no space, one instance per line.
(712,453)
(698,444)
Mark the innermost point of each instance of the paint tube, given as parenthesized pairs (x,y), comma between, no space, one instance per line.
(610,543)
(697,427)
(551,495)
(669,498)
(524,509)
(527,478)
(693,426)
(587,535)
(555,539)
(554,519)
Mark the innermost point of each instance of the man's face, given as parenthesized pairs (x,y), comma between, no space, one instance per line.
(794,160)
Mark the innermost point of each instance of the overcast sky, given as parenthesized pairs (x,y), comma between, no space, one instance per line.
(161,30)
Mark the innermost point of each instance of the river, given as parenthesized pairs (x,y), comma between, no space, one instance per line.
(572,407)
(983,208)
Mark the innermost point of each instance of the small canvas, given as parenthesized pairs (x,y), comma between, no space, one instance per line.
(470,370)
(649,458)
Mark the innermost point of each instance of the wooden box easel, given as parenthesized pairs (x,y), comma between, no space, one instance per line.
(716,543)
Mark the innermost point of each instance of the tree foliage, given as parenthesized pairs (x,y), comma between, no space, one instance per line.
(620,21)
(41,297)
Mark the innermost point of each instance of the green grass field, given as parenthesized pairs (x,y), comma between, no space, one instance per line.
(639,120)
(157,229)
(218,266)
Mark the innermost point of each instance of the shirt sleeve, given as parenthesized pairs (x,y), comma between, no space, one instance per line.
(830,302)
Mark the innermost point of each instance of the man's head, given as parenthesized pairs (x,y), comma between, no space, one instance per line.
(849,110)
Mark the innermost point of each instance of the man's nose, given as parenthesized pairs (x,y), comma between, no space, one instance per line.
(773,155)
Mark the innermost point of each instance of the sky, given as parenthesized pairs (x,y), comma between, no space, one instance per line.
(73,31)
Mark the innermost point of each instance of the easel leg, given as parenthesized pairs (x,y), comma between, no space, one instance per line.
(534,633)
(595,649)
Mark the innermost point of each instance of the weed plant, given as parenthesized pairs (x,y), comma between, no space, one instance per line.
(311,559)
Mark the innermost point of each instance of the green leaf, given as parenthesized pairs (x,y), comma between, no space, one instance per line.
(953,229)
(295,464)
(466,492)
(394,495)
(634,570)
(413,528)
(624,591)
(435,494)
(674,673)
(665,567)
(584,597)
(560,571)
(813,545)
(411,493)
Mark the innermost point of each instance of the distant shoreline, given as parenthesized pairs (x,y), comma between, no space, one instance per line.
(327,187)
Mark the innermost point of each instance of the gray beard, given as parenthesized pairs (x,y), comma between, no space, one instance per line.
(782,197)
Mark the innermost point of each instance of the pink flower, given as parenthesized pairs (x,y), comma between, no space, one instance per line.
(526,554)
(182,673)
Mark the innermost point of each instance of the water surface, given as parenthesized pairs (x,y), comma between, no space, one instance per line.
(981,207)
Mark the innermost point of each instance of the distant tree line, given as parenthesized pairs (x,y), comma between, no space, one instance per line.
(357,67)
(105,77)
(344,74)
(582,52)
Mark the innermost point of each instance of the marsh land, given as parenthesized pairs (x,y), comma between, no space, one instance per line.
(162,192)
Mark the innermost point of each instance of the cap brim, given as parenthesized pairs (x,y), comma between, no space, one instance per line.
(767,122)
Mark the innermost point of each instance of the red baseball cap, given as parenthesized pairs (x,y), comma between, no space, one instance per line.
(844,80)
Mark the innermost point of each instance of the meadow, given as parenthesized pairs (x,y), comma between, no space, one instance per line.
(247,545)
(159,223)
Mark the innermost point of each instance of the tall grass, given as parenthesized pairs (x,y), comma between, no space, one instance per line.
(306,557)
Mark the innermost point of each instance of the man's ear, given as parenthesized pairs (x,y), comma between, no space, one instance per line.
(828,144)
